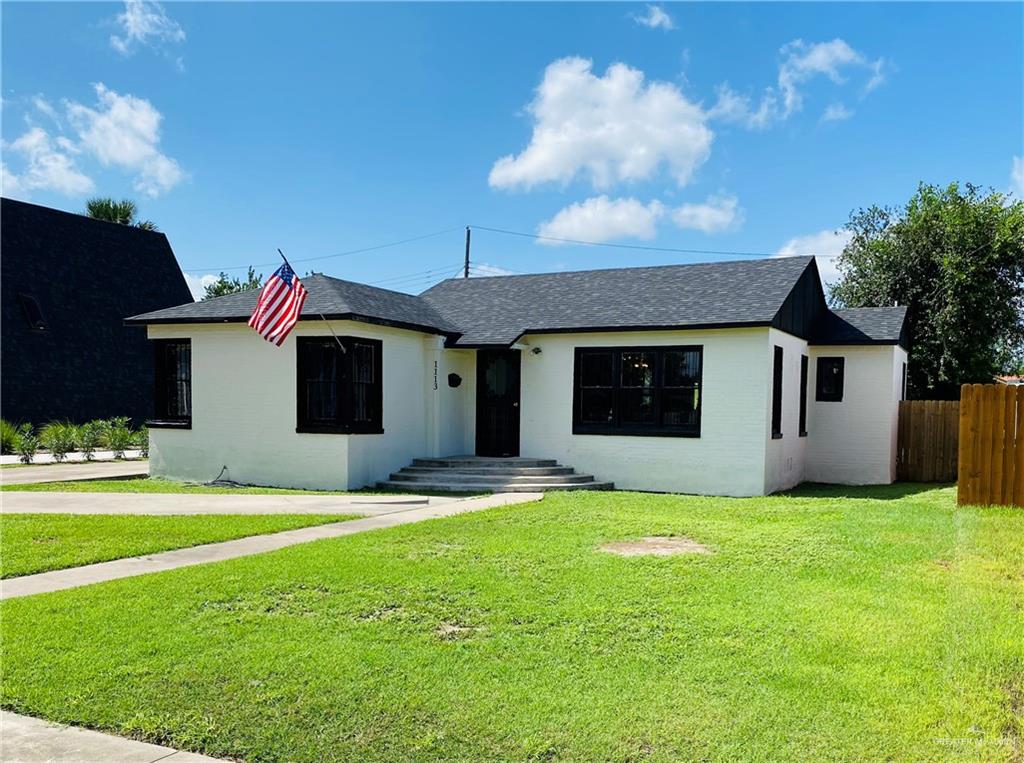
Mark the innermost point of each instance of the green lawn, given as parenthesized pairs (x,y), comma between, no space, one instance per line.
(32,543)
(831,624)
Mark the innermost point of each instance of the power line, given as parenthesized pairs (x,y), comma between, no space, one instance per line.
(414,276)
(716,252)
(331,256)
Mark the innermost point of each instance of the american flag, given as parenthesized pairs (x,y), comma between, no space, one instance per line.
(279,305)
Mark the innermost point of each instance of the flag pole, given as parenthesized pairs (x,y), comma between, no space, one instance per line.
(329,326)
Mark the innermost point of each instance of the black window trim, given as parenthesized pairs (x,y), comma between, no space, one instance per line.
(636,430)
(346,426)
(819,395)
(778,375)
(805,363)
(160,418)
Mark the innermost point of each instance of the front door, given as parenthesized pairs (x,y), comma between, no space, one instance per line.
(497,403)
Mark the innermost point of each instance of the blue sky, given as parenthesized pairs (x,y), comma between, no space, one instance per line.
(321,128)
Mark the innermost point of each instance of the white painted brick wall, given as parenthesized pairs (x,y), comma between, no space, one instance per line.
(728,457)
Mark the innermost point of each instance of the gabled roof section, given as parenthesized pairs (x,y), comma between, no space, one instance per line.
(329,297)
(497,310)
(863,325)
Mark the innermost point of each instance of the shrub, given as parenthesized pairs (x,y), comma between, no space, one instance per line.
(59,437)
(90,435)
(102,429)
(119,436)
(142,441)
(28,444)
(8,437)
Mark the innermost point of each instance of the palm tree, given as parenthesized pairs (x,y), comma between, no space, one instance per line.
(123,212)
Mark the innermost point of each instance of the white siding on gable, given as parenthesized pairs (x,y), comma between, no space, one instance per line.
(853,442)
(728,457)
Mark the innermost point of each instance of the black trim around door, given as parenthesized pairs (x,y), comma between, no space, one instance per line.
(497,402)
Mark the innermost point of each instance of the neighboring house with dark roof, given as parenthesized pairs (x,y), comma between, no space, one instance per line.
(724,378)
(66,283)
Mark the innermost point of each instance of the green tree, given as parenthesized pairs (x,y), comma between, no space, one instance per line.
(124,212)
(225,285)
(955,258)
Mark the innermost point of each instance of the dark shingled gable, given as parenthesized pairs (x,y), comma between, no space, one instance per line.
(330,297)
(499,309)
(85,275)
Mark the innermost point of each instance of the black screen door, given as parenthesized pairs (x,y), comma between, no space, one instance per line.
(497,403)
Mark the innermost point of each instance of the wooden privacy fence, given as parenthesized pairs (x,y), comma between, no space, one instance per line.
(926,443)
(991,463)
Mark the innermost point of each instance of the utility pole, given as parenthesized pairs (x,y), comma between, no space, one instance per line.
(465,270)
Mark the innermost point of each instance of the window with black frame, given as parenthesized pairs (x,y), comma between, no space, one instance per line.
(642,391)
(173,390)
(829,385)
(339,386)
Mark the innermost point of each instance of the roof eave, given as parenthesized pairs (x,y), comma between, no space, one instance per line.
(168,321)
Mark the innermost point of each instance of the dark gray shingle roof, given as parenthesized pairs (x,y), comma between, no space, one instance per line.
(330,297)
(862,325)
(499,309)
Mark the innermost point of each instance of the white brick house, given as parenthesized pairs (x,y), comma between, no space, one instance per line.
(725,378)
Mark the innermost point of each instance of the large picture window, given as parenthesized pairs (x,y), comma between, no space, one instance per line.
(638,391)
(173,391)
(339,385)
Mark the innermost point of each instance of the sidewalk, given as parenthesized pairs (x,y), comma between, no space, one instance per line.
(30,740)
(57,580)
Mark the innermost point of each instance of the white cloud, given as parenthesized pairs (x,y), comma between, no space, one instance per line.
(656,17)
(145,22)
(49,166)
(124,131)
(801,62)
(481,269)
(607,129)
(836,112)
(197,283)
(717,214)
(827,245)
(1017,177)
(600,219)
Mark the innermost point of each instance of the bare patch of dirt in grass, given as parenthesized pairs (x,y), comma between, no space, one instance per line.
(381,613)
(453,631)
(656,546)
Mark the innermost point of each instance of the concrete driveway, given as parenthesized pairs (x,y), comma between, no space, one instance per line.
(15,502)
(95,470)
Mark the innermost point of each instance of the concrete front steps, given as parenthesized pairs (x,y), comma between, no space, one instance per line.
(477,474)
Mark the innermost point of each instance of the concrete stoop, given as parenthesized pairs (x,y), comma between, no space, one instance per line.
(470,474)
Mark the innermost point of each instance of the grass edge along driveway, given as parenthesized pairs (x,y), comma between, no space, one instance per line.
(830,624)
(32,543)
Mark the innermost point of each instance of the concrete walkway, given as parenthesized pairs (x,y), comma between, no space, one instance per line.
(31,740)
(15,502)
(57,580)
(94,470)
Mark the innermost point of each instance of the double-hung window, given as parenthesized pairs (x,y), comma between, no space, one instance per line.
(638,391)
(339,385)
(173,391)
